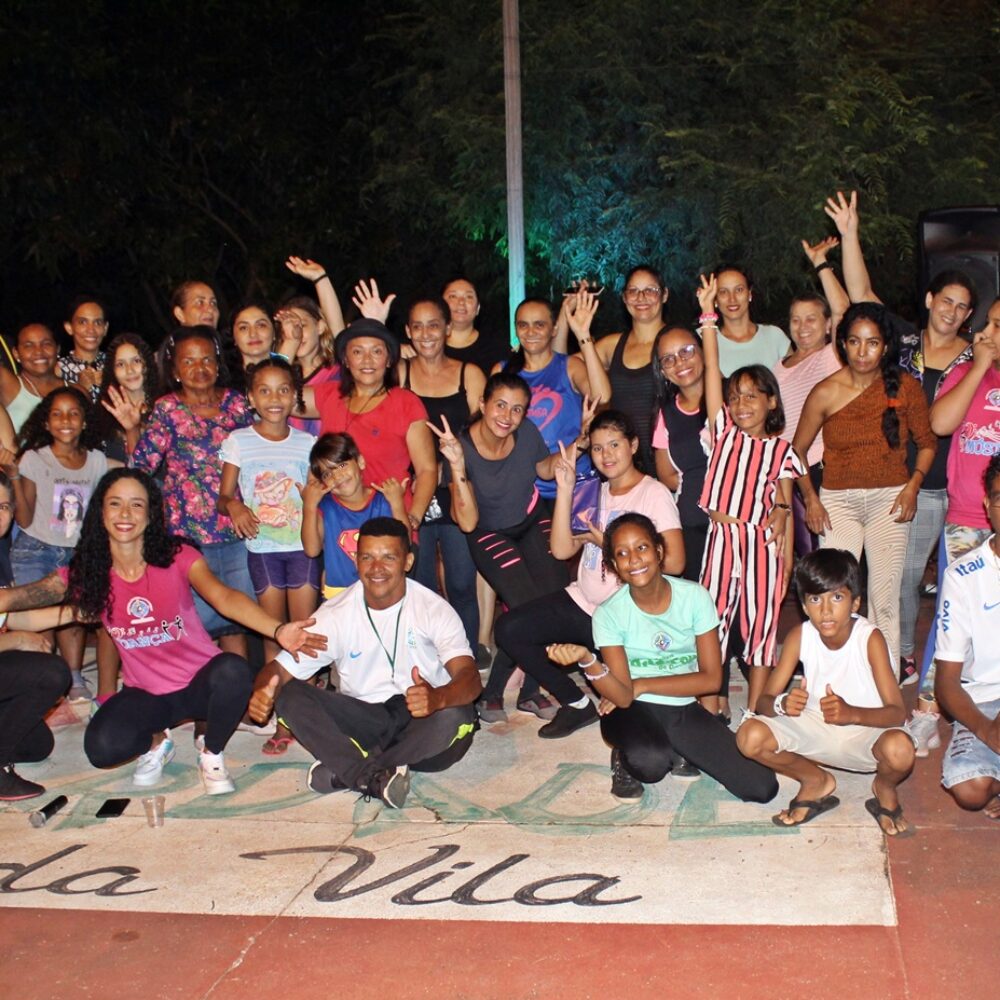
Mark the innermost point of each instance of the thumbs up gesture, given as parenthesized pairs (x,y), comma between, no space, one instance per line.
(262,701)
(836,711)
(795,700)
(420,697)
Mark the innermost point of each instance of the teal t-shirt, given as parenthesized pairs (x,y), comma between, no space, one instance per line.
(658,645)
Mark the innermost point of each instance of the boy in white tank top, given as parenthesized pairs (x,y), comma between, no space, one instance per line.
(847,714)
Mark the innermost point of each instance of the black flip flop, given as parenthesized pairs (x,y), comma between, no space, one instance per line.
(813,807)
(877,811)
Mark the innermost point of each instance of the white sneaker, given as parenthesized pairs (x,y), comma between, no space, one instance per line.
(214,775)
(149,767)
(923,727)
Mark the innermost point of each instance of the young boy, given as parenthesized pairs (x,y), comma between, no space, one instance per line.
(968,665)
(849,710)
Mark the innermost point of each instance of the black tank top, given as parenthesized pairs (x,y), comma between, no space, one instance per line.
(633,392)
(456,408)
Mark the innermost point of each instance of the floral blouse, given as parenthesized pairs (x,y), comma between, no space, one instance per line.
(187,446)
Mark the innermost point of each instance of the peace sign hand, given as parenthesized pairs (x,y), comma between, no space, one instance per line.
(449,445)
(707,292)
(565,470)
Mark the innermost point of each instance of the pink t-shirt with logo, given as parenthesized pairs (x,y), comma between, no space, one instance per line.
(156,628)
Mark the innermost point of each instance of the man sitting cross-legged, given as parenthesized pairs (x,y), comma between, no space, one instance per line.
(407,678)
(967,649)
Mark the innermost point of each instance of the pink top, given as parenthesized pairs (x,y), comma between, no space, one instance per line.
(974,443)
(796,383)
(154,612)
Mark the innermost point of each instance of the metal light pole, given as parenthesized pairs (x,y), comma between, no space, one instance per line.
(515,184)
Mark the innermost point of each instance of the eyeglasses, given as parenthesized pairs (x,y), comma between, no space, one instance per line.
(633,294)
(684,354)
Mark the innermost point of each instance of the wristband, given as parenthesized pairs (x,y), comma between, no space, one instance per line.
(587,666)
(281,625)
(779,704)
(14,479)
(822,267)
(783,506)
(586,340)
(316,281)
(705,317)
(597,677)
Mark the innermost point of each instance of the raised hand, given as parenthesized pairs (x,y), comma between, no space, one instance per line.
(817,252)
(293,637)
(836,711)
(449,445)
(119,404)
(590,407)
(984,350)
(581,315)
(844,212)
(420,697)
(313,491)
(305,268)
(707,292)
(370,304)
(262,702)
(392,489)
(289,337)
(795,700)
(565,470)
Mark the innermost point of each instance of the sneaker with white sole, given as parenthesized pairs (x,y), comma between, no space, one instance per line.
(149,767)
(321,779)
(214,775)
(923,727)
(389,785)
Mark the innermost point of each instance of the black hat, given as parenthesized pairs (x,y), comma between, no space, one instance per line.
(367,328)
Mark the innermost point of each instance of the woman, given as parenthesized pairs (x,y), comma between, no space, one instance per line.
(867,411)
(248,338)
(680,437)
(449,390)
(193,303)
(183,436)
(560,385)
(506,526)
(743,342)
(465,342)
(37,354)
(130,381)
(135,577)
(627,357)
(565,616)
(659,644)
(87,327)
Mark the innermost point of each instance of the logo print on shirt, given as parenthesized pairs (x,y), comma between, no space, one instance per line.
(139,608)
(348,542)
(354,656)
(546,405)
(990,607)
(661,641)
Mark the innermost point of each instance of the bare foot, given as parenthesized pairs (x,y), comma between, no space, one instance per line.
(808,792)
(890,819)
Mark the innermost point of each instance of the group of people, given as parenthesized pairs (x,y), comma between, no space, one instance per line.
(636,510)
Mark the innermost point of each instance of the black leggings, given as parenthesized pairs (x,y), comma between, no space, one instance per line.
(517,564)
(525,632)
(650,734)
(30,684)
(125,725)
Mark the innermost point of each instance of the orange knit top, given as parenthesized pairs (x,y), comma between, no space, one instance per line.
(856,455)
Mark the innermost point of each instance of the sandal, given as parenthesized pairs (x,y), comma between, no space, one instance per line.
(277,745)
(813,808)
(877,811)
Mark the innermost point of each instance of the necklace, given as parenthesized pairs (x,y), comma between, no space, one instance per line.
(351,414)
(395,639)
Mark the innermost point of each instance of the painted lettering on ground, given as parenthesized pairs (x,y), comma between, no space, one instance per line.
(77,884)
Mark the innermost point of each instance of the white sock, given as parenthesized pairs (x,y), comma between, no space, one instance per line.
(582,703)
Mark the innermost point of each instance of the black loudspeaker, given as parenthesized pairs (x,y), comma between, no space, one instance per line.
(967,240)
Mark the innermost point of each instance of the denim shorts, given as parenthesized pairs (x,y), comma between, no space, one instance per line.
(228,561)
(31,559)
(282,570)
(967,757)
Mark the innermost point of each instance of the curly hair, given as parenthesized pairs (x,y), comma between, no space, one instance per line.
(89,587)
(294,373)
(150,381)
(35,435)
(872,312)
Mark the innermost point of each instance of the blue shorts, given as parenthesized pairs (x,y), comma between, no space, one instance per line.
(32,559)
(967,757)
(228,561)
(282,570)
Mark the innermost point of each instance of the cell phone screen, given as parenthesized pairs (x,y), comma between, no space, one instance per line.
(112,807)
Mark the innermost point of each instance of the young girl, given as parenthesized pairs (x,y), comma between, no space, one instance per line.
(565,616)
(54,474)
(336,502)
(130,382)
(748,497)
(659,644)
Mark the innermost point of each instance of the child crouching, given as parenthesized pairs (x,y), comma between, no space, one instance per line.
(847,714)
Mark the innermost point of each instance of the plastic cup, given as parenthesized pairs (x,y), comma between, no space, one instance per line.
(154,809)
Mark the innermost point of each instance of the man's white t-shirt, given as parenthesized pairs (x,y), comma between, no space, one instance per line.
(968,629)
(421,631)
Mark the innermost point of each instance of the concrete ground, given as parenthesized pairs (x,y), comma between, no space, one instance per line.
(513,875)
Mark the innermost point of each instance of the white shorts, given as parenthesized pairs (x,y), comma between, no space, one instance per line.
(845,747)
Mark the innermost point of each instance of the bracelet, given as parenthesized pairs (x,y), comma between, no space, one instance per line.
(822,267)
(783,506)
(280,626)
(779,704)
(712,324)
(705,317)
(597,677)
(316,281)
(586,340)
(14,479)
(587,666)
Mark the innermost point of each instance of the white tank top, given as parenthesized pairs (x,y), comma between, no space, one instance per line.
(846,670)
